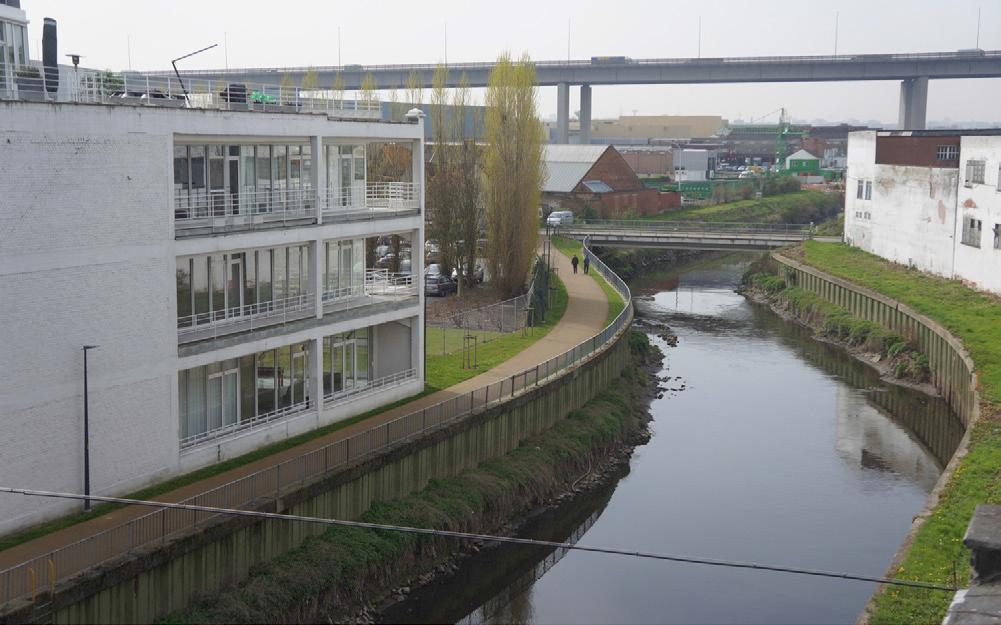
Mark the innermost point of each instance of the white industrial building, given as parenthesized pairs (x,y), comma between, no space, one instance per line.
(217,257)
(928,199)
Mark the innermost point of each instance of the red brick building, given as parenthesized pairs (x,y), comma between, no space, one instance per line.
(598,177)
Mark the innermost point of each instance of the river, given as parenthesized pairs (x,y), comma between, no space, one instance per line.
(766,446)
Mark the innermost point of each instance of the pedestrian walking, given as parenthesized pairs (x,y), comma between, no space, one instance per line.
(587,264)
(574,261)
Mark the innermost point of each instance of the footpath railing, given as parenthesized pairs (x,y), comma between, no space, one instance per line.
(44,572)
(711,227)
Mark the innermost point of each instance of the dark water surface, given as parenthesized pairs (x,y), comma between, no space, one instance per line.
(772,448)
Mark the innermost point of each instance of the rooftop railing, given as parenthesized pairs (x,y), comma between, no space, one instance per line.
(709,227)
(196,93)
(374,196)
(44,572)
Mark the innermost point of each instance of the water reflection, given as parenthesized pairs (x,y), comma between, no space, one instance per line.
(780,450)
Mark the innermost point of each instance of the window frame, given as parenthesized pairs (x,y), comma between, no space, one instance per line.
(951,153)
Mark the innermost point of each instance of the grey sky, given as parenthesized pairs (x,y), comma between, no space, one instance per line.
(259,33)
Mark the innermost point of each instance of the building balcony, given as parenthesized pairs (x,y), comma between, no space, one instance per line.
(214,324)
(373,200)
(380,286)
(211,212)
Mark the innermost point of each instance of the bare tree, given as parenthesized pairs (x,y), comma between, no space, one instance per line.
(310,81)
(337,89)
(469,210)
(513,172)
(368,88)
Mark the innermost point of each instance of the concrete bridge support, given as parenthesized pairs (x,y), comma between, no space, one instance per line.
(585,114)
(563,113)
(913,103)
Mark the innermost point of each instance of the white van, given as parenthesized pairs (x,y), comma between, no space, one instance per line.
(560,218)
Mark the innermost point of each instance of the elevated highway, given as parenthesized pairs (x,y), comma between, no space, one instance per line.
(913,70)
(688,235)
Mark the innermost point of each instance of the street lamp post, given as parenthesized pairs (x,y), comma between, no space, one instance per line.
(86,431)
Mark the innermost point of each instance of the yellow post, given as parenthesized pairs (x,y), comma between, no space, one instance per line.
(52,575)
(32,581)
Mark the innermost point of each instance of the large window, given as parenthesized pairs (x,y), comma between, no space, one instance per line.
(860,188)
(868,189)
(972,231)
(228,395)
(346,176)
(975,171)
(344,270)
(218,180)
(947,153)
(346,361)
(216,287)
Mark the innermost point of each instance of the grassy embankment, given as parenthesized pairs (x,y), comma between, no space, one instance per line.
(446,370)
(937,553)
(570,247)
(441,372)
(331,574)
(837,324)
(799,207)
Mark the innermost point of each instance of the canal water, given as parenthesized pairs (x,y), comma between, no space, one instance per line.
(767,446)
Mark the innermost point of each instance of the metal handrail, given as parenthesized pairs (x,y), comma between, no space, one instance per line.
(690,226)
(164,91)
(248,317)
(156,527)
(377,196)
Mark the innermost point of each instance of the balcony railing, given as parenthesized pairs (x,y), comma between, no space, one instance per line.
(210,325)
(370,387)
(220,210)
(167,92)
(245,425)
(375,196)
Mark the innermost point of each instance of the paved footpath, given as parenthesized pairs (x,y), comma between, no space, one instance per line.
(585,315)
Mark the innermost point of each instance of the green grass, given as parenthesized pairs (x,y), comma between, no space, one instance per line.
(443,341)
(799,207)
(443,371)
(12,540)
(570,247)
(937,554)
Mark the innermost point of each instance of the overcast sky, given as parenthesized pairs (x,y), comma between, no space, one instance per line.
(305,32)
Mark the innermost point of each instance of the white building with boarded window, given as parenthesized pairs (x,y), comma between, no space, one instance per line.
(220,257)
(929,199)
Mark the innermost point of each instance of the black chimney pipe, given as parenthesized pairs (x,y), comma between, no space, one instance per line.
(50,55)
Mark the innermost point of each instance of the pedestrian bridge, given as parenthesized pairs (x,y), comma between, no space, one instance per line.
(687,234)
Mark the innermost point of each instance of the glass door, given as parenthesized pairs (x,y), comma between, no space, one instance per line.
(343,356)
(234,286)
(217,180)
(345,181)
(300,383)
(347,283)
(222,399)
(233,178)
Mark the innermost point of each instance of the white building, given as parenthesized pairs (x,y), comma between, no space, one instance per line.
(929,199)
(218,259)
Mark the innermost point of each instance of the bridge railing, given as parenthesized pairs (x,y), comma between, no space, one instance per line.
(578,63)
(709,227)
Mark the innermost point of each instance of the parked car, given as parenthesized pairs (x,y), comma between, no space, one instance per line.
(560,218)
(439,285)
(434,269)
(477,277)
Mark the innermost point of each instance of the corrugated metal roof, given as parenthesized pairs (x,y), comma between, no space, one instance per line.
(567,164)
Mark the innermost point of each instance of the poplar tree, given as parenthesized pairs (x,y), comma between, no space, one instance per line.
(368,89)
(337,89)
(442,183)
(513,172)
(415,93)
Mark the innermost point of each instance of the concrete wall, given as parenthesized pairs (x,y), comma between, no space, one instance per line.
(910,218)
(981,267)
(393,347)
(88,256)
(154,583)
(952,369)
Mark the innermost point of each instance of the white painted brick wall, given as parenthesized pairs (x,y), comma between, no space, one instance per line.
(87,256)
